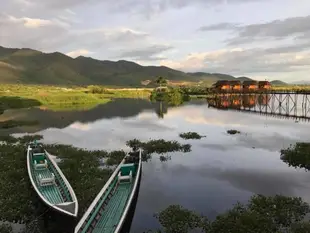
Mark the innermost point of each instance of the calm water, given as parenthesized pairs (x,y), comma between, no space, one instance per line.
(221,169)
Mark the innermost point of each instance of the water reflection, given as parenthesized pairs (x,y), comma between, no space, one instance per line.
(280,105)
(221,169)
(161,109)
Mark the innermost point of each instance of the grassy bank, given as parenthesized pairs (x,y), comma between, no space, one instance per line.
(55,97)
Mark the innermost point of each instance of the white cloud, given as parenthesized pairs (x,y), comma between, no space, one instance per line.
(240,61)
(115,29)
(80,52)
(34,23)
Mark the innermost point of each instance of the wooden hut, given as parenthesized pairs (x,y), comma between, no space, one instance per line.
(250,85)
(235,85)
(221,85)
(264,85)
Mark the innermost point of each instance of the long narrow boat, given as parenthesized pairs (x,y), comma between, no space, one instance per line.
(109,210)
(49,182)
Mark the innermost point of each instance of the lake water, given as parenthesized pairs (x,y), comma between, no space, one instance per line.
(221,169)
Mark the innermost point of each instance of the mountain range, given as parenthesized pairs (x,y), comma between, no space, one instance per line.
(302,82)
(30,66)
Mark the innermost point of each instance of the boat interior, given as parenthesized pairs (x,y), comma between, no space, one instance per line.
(47,179)
(108,211)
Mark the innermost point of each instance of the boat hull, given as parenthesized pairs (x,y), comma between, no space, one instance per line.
(112,209)
(131,213)
(51,195)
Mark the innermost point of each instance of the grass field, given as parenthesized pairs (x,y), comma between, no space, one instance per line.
(292,87)
(55,97)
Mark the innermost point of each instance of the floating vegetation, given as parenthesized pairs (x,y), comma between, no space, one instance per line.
(260,215)
(233,131)
(191,135)
(19,203)
(297,155)
(163,158)
(115,157)
(5,228)
(178,219)
(22,140)
(12,124)
(8,139)
(15,189)
(159,146)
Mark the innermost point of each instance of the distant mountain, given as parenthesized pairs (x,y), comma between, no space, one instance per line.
(278,83)
(302,82)
(34,67)
(30,66)
(212,76)
(244,79)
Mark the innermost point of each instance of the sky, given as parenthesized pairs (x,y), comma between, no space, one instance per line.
(262,39)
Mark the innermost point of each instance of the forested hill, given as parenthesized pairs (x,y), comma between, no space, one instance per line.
(34,67)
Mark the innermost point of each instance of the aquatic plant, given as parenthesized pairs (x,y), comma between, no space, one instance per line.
(5,228)
(18,202)
(297,155)
(175,218)
(260,215)
(300,227)
(8,139)
(233,131)
(191,135)
(163,158)
(115,157)
(159,146)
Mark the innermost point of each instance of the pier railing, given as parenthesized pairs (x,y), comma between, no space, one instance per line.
(286,103)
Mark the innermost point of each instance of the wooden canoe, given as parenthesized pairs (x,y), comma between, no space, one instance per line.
(109,210)
(49,182)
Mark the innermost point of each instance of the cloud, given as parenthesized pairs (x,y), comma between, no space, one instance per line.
(151,7)
(53,4)
(55,35)
(239,61)
(219,26)
(30,32)
(150,53)
(277,29)
(80,52)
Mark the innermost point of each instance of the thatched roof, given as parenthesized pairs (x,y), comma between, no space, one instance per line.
(221,83)
(235,82)
(250,82)
(263,83)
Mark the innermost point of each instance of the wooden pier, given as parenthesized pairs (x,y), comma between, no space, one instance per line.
(280,103)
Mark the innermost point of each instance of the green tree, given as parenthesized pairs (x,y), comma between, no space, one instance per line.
(161,81)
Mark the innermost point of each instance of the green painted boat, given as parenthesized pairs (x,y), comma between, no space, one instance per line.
(49,182)
(109,210)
